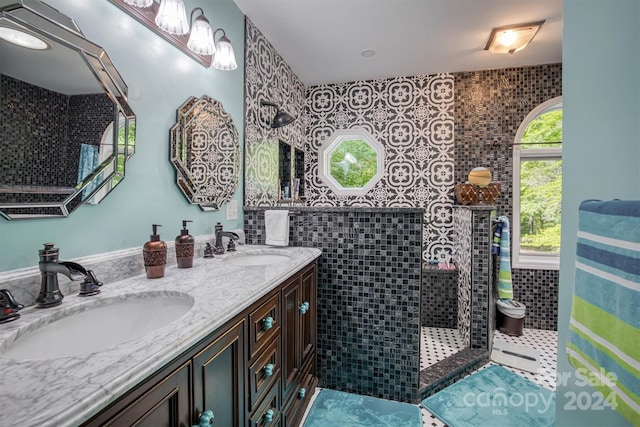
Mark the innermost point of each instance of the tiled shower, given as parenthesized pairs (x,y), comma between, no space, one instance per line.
(435,129)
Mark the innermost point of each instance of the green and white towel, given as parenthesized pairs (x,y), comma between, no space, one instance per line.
(604,330)
(505,287)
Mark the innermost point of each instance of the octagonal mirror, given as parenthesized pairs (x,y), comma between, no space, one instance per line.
(205,153)
(67,129)
(351,162)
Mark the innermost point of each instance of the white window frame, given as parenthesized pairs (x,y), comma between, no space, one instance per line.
(334,141)
(530,261)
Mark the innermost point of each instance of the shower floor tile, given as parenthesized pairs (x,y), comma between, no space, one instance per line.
(546,342)
(437,344)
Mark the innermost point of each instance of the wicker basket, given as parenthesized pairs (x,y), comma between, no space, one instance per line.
(467,194)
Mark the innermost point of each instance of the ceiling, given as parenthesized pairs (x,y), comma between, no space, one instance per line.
(322,40)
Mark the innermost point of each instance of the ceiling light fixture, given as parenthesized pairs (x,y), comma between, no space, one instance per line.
(368,53)
(512,38)
(23,39)
(282,118)
(168,19)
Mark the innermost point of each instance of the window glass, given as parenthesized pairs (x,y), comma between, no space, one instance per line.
(538,188)
(351,162)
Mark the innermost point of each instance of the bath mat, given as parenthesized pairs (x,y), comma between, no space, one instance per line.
(339,409)
(493,397)
(516,356)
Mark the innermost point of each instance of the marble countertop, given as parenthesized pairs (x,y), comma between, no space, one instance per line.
(66,391)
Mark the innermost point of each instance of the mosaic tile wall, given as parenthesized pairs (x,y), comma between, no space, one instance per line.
(30,111)
(413,118)
(538,290)
(476,275)
(268,78)
(439,298)
(368,294)
(43,131)
(489,107)
(89,117)
(462,220)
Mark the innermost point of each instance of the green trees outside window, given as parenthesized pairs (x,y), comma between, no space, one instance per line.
(541,184)
(353,163)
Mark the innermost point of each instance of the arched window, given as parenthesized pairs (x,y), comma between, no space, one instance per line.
(537,188)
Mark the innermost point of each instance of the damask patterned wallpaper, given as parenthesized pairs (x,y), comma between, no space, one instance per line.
(268,78)
(413,119)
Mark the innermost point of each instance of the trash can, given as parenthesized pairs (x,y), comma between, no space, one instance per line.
(510,317)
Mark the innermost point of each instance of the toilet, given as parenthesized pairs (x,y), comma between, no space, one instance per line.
(510,317)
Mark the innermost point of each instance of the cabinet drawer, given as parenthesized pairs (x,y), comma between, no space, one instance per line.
(264,372)
(261,417)
(264,324)
(296,403)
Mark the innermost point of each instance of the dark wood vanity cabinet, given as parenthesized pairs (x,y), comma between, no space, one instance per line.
(257,370)
(218,377)
(299,344)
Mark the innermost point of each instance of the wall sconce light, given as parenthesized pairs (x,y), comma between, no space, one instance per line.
(168,19)
(282,118)
(512,38)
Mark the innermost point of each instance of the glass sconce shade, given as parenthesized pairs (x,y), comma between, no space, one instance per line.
(172,17)
(224,58)
(201,38)
(139,3)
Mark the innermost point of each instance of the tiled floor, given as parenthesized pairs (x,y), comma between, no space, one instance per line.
(439,343)
(544,341)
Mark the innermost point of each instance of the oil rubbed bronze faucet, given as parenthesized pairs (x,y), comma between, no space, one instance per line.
(218,247)
(50,294)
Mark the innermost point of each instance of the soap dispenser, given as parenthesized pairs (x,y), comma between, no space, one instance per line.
(184,247)
(155,255)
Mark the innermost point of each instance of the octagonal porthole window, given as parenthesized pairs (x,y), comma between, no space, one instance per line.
(351,162)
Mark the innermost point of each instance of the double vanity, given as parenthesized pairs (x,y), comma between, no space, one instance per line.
(234,335)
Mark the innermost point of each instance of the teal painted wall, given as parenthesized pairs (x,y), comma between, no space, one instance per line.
(601,150)
(160,78)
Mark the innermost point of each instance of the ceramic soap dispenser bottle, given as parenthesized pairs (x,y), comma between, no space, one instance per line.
(184,247)
(155,255)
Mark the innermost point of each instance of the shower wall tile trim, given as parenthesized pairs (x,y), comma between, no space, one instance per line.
(369,278)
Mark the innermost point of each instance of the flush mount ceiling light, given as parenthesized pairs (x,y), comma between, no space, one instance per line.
(282,118)
(23,39)
(512,38)
(168,19)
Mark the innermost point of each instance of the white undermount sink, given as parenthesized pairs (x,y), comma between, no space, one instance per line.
(105,323)
(249,259)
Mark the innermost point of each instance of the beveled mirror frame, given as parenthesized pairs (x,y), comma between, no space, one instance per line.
(46,22)
(205,153)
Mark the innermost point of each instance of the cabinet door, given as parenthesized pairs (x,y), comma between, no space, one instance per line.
(164,405)
(309,319)
(291,333)
(219,379)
